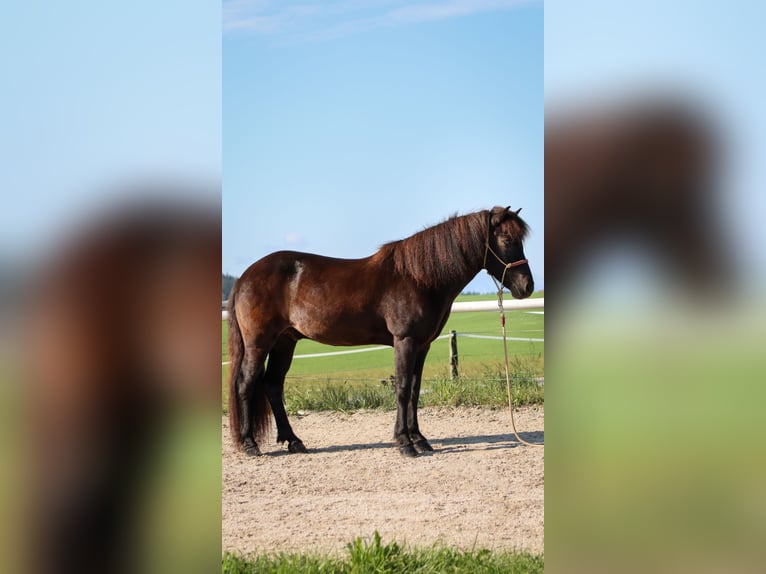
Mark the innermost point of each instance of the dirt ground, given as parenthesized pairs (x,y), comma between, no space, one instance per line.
(480,488)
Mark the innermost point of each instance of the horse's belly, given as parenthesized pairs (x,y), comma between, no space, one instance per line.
(344,330)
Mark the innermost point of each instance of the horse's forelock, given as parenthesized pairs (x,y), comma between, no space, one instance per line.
(519,228)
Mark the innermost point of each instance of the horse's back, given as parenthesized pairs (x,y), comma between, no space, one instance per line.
(286,269)
(331,300)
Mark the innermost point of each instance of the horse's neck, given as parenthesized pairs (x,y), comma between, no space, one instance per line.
(456,286)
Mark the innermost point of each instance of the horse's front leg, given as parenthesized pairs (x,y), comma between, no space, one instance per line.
(418,440)
(405,351)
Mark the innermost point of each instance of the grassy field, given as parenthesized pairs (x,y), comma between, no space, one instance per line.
(352,381)
(374,556)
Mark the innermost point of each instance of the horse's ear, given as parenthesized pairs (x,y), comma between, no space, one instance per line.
(497,215)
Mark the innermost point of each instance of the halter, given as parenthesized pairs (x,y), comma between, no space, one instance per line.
(506,266)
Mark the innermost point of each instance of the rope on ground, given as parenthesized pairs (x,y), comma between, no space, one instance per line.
(507,368)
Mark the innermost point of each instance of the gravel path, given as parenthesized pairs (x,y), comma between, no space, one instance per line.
(479,488)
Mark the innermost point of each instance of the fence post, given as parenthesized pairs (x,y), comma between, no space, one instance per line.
(453,354)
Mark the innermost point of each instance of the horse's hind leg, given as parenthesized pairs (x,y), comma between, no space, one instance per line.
(279,363)
(250,403)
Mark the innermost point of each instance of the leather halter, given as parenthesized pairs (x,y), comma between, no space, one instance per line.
(506,266)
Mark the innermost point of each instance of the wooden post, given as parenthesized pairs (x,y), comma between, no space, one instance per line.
(453,354)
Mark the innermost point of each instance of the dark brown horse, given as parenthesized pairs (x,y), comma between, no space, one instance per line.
(644,171)
(400,296)
(115,325)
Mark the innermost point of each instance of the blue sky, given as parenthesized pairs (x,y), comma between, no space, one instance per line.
(390,115)
(349,124)
(710,52)
(101,95)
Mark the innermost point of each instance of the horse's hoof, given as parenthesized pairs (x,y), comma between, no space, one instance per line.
(250,447)
(422,445)
(253,450)
(297,446)
(408,450)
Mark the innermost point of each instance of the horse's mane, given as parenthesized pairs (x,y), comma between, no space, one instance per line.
(444,253)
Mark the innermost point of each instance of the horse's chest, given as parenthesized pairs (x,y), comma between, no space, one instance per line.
(422,320)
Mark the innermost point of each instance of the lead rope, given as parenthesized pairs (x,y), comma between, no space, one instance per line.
(505,352)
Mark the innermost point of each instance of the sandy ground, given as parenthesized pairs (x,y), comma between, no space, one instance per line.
(480,488)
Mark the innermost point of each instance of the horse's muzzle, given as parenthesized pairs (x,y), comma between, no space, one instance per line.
(522,287)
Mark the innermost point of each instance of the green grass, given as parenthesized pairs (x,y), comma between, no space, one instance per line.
(491,296)
(350,382)
(489,391)
(374,556)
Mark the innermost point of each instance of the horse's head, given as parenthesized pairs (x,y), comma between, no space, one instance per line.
(504,253)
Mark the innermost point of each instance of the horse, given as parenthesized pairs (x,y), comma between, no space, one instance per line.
(115,328)
(400,296)
(644,170)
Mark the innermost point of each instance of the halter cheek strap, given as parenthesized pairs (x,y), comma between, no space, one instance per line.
(506,266)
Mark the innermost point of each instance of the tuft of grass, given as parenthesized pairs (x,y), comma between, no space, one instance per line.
(488,389)
(374,556)
(342,397)
(479,385)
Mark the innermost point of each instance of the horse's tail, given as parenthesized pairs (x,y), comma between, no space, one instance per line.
(236,351)
(261,409)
